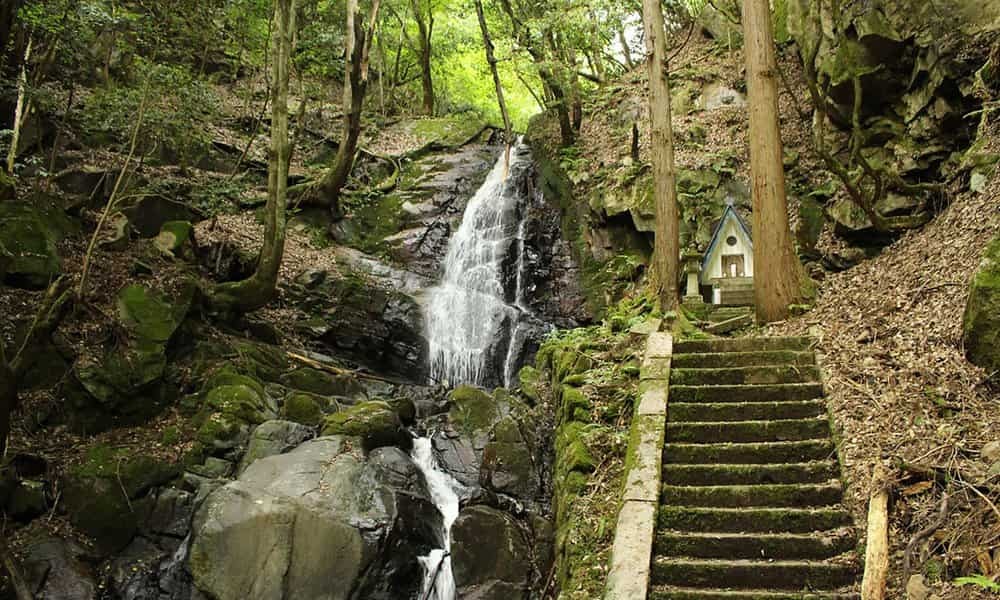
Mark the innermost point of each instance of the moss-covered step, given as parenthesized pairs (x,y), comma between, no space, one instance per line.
(746,393)
(736,520)
(755,452)
(779,546)
(751,574)
(743,474)
(741,411)
(669,592)
(757,375)
(772,495)
(743,344)
(748,431)
(718,360)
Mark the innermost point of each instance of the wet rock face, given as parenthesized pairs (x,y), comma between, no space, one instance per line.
(323,521)
(491,557)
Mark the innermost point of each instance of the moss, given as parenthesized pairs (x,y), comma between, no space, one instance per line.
(575,405)
(29,241)
(149,315)
(218,430)
(229,376)
(981,321)
(529,379)
(472,409)
(373,421)
(302,408)
(173,236)
(239,401)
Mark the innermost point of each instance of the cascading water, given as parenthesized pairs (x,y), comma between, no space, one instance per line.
(439,583)
(471,320)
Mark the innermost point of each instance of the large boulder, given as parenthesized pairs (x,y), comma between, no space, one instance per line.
(57,569)
(274,437)
(981,325)
(374,421)
(28,238)
(314,524)
(120,384)
(490,556)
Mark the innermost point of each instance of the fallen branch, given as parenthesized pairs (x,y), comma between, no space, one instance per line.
(877,549)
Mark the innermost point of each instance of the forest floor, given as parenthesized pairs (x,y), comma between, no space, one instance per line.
(902,392)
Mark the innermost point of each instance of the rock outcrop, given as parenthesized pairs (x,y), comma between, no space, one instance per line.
(981,325)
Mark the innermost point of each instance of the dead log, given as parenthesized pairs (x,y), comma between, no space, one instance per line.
(877,547)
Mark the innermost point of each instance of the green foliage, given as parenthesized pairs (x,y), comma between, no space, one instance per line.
(178,113)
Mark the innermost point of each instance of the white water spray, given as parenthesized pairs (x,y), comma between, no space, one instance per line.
(465,314)
(439,582)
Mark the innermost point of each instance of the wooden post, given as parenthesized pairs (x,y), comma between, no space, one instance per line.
(877,548)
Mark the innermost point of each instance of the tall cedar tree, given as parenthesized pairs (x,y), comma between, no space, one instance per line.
(778,275)
(666,253)
(257,290)
(358,43)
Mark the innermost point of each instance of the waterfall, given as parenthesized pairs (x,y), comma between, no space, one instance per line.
(471,320)
(439,583)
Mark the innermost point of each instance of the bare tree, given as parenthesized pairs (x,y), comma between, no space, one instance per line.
(778,275)
(425,29)
(666,253)
(257,290)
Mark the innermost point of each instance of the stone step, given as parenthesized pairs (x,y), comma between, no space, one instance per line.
(784,392)
(718,360)
(729,325)
(781,546)
(759,375)
(770,495)
(750,453)
(725,313)
(743,344)
(667,592)
(750,474)
(736,520)
(743,411)
(753,574)
(748,431)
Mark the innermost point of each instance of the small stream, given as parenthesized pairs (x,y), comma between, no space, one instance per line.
(439,582)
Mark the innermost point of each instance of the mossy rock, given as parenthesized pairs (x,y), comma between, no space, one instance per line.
(373,421)
(575,405)
(511,469)
(303,408)
(229,376)
(264,361)
(173,237)
(220,432)
(405,408)
(323,383)
(148,315)
(240,401)
(981,322)
(28,239)
(105,496)
(530,380)
(472,409)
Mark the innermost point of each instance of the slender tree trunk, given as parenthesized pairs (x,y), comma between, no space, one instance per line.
(626,50)
(19,116)
(425,28)
(256,291)
(8,400)
(492,60)
(777,272)
(357,46)
(666,252)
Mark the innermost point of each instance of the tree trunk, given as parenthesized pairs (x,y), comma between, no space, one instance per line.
(626,51)
(491,59)
(425,27)
(256,291)
(666,253)
(777,272)
(357,46)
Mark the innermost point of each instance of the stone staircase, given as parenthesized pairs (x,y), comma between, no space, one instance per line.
(750,502)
